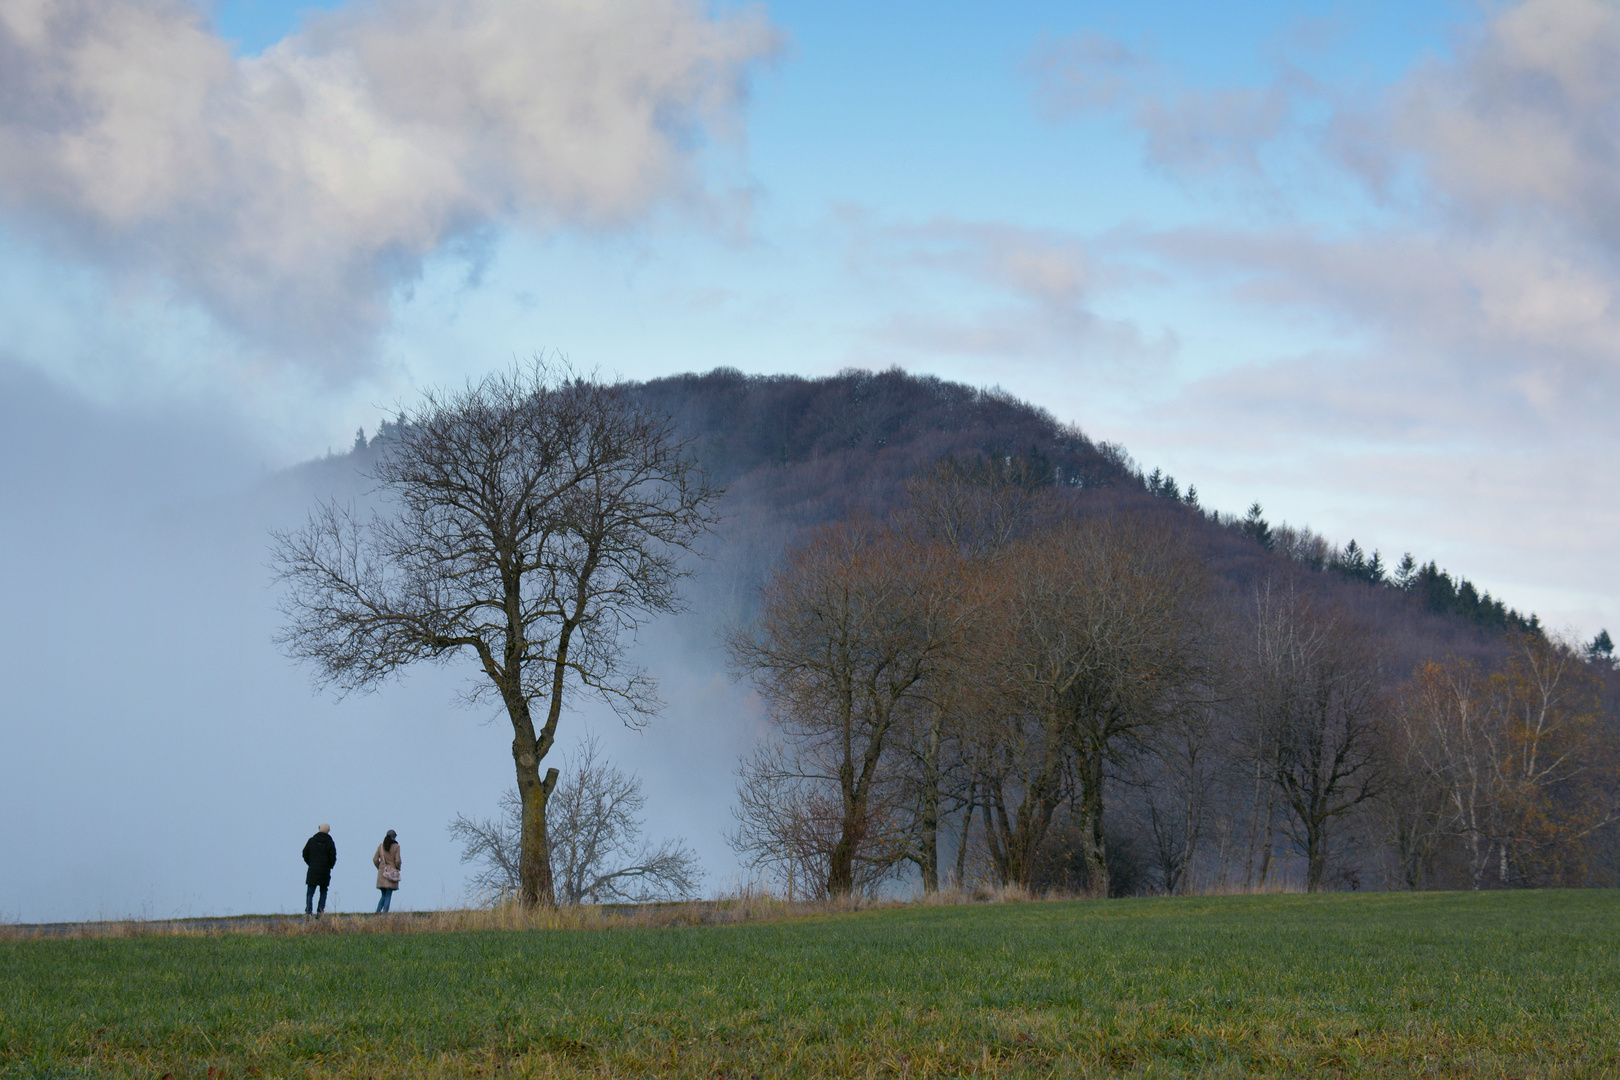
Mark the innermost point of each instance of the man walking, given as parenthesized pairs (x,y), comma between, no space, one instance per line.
(320,855)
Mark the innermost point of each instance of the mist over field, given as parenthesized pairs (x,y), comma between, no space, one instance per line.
(162,758)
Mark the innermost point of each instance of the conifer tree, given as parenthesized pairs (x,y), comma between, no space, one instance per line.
(1256,528)
(1406,573)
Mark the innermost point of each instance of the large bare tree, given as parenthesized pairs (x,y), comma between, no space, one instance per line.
(1318,702)
(1443,767)
(974,508)
(530,521)
(1103,647)
(853,625)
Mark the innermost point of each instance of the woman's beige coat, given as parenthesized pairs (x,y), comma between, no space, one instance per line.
(386,858)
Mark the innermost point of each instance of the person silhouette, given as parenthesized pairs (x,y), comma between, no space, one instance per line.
(387,862)
(320,855)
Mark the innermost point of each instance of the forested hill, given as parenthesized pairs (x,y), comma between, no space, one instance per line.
(813,450)
(796,451)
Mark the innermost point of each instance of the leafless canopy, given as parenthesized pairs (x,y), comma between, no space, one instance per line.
(1098,646)
(1318,707)
(853,626)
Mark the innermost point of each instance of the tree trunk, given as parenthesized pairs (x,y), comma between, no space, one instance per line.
(1093,848)
(930,808)
(841,864)
(1021,832)
(1029,829)
(535,886)
(967,825)
(1192,826)
(1268,843)
(1315,855)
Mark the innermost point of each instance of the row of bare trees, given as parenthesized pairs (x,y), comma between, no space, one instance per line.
(1007,682)
(984,654)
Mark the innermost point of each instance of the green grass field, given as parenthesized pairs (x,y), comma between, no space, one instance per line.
(1494,984)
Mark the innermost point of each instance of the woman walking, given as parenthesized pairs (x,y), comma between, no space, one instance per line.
(387,863)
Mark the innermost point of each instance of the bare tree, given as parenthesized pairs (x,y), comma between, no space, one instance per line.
(1185,760)
(1551,759)
(594,825)
(1317,700)
(1023,778)
(1444,773)
(1511,764)
(1102,647)
(529,520)
(789,824)
(973,509)
(495,846)
(853,623)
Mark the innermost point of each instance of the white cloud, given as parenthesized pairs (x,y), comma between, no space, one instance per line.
(1524,125)
(1194,134)
(290,192)
(1085,72)
(995,290)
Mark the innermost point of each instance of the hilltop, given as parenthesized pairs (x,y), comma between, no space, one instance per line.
(797,451)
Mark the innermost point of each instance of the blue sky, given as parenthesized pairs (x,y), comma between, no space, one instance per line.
(1359,262)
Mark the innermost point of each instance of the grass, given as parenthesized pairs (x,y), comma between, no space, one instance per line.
(1457,985)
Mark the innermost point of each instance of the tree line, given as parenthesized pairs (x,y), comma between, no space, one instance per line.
(1011,681)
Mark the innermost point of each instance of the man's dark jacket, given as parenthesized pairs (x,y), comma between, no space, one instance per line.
(321,855)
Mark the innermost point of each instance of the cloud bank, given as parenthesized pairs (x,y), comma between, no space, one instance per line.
(289,193)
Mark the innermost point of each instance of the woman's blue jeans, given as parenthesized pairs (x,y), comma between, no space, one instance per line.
(386,898)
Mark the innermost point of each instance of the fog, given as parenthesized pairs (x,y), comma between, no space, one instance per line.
(159,757)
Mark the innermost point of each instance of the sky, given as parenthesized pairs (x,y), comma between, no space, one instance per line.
(1357,262)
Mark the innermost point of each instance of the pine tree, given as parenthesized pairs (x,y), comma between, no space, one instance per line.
(1601,649)
(1256,528)
(1406,573)
(1351,561)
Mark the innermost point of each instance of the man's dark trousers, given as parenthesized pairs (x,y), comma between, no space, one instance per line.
(309,899)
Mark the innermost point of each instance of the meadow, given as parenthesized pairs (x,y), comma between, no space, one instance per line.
(1499,984)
